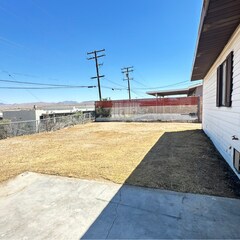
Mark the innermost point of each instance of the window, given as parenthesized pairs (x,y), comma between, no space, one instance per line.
(224,82)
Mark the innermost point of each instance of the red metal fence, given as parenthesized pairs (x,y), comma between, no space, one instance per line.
(169,109)
(149,102)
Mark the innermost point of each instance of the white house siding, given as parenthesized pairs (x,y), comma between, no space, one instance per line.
(221,123)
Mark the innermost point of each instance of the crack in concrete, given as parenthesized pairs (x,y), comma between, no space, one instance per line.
(116,216)
(102,192)
(141,209)
(13,193)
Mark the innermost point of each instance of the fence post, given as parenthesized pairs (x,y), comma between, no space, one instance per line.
(95,110)
(46,124)
(37,126)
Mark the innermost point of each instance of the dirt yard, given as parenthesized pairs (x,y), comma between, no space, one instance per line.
(174,156)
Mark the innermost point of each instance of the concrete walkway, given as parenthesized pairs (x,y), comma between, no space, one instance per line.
(35,206)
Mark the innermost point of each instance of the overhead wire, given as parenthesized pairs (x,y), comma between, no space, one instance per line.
(42,84)
(135,92)
(115,83)
(170,85)
(46,87)
(113,88)
(139,83)
(27,90)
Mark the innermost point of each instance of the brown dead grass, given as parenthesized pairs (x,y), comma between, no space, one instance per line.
(108,151)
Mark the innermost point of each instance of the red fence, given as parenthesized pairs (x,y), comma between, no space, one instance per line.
(163,109)
(149,102)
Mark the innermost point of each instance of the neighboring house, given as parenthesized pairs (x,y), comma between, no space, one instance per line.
(38,114)
(33,116)
(192,91)
(217,62)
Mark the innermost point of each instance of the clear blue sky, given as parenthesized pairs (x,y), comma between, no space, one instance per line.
(47,41)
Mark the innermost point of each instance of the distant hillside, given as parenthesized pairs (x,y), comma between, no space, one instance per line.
(46,105)
(68,103)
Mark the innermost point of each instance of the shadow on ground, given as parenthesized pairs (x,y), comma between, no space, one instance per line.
(185,162)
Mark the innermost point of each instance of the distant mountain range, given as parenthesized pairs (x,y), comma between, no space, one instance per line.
(42,105)
(68,102)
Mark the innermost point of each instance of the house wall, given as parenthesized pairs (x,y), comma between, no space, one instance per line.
(221,123)
(38,114)
(19,115)
(31,116)
(23,115)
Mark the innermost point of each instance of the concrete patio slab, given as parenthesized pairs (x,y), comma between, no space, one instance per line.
(36,206)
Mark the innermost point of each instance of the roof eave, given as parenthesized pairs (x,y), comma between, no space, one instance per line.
(205,5)
(219,20)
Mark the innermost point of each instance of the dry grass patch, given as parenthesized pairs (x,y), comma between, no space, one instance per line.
(172,156)
(108,151)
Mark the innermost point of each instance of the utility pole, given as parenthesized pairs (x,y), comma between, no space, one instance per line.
(126,71)
(95,57)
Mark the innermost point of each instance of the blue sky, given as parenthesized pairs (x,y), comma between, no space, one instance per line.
(47,41)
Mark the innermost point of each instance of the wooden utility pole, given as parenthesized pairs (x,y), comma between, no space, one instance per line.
(95,57)
(126,71)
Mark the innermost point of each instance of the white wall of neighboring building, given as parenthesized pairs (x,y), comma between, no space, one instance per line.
(221,123)
(23,115)
(38,114)
(33,114)
(19,115)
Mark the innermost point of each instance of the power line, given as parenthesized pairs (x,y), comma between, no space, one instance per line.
(137,94)
(139,83)
(126,71)
(175,84)
(52,86)
(113,88)
(116,83)
(20,74)
(34,76)
(95,57)
(37,76)
(42,84)
(28,91)
(47,87)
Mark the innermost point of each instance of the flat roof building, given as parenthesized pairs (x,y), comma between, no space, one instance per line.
(190,91)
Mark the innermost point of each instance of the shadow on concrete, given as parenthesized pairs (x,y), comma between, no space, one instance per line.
(184,162)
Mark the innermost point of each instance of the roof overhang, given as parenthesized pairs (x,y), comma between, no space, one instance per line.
(219,20)
(168,92)
(163,93)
